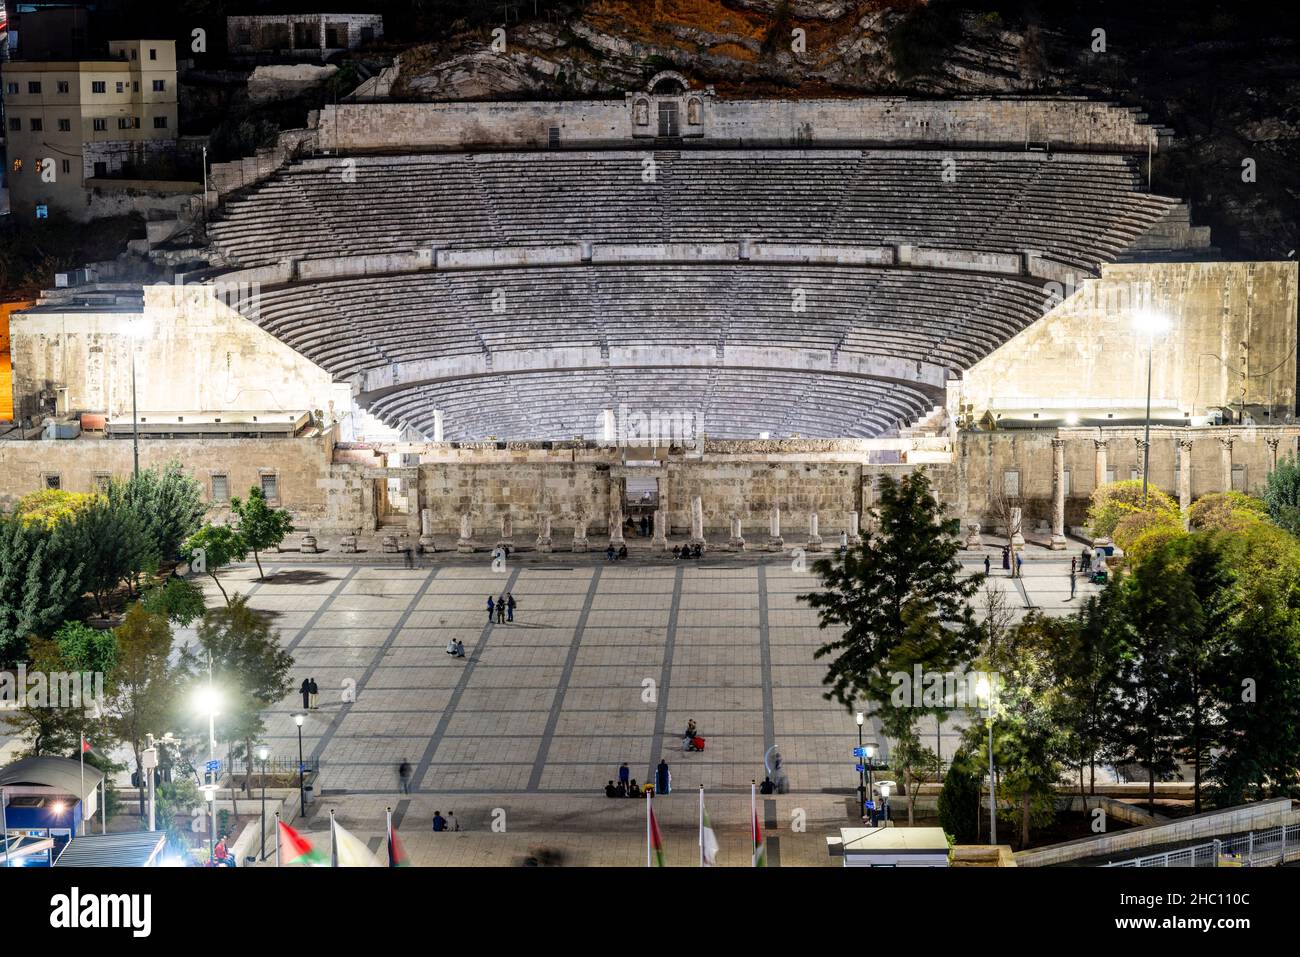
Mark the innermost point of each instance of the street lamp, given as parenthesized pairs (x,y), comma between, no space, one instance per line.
(862,774)
(208,701)
(870,760)
(884,799)
(298,719)
(1150,323)
(263,752)
(984,689)
(137,329)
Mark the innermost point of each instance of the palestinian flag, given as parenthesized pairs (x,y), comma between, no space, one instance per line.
(760,846)
(656,840)
(397,856)
(708,840)
(296,848)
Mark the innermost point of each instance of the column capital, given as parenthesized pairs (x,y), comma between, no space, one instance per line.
(1273,443)
(1226,442)
(1101,444)
(1185,444)
(1140,443)
(1057,444)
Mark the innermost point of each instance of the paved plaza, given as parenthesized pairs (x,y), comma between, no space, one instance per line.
(604,663)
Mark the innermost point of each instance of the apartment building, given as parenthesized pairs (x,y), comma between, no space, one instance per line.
(71,122)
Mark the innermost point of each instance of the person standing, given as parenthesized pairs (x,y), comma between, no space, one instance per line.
(491,608)
(305,691)
(987,564)
(404,777)
(510,606)
(1019,562)
(624,775)
(1072,583)
(315,693)
(501,609)
(1006,558)
(663,777)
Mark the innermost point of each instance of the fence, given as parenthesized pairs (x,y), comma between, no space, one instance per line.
(1266,848)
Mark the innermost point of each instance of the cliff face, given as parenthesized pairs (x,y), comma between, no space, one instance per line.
(1228,83)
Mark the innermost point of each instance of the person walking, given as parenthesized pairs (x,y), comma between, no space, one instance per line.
(404,777)
(1019,562)
(491,608)
(1071,583)
(315,693)
(1074,564)
(510,606)
(305,691)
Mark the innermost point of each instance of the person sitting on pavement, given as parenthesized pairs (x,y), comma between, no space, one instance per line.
(451,646)
(610,790)
(622,551)
(439,822)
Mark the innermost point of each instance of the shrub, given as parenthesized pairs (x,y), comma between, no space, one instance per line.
(1112,502)
(1226,511)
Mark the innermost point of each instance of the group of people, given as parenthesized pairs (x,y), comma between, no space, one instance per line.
(448,823)
(310,694)
(503,607)
(626,786)
(688,550)
(456,648)
(691,740)
(612,554)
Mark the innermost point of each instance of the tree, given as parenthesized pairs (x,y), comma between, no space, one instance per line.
(1115,500)
(260,525)
(40,581)
(1087,676)
(1226,511)
(87,649)
(959,800)
(899,596)
(51,724)
(1282,494)
(1009,515)
(147,684)
(212,548)
(50,506)
(169,504)
(247,663)
(908,756)
(178,600)
(114,545)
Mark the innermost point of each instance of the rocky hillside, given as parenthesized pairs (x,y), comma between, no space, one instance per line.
(1226,80)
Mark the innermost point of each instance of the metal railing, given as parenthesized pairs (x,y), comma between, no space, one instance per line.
(1266,848)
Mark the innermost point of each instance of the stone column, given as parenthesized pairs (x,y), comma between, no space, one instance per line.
(580,533)
(1058,494)
(466,541)
(437,425)
(426,531)
(814,539)
(737,542)
(1272,452)
(507,539)
(775,542)
(697,521)
(660,540)
(1015,531)
(1225,446)
(1100,475)
(544,533)
(1184,476)
(616,527)
(1140,446)
(855,532)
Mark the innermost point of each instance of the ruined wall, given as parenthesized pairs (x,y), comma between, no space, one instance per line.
(1232,336)
(194,353)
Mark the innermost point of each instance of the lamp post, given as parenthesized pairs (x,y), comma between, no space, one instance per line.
(263,752)
(209,703)
(884,800)
(137,330)
(985,690)
(862,774)
(869,761)
(298,719)
(1150,323)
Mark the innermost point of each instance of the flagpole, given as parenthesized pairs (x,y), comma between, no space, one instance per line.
(81,757)
(103,811)
(649,796)
(334,847)
(753,823)
(701,825)
(388,813)
(277,838)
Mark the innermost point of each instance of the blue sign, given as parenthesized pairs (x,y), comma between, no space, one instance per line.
(859,752)
(42,212)
(868,805)
(214,766)
(859,768)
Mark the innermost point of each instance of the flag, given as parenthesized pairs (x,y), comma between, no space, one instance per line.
(656,839)
(708,840)
(85,745)
(295,847)
(350,850)
(760,847)
(397,856)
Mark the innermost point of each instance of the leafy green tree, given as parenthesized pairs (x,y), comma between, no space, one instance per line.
(1226,511)
(53,725)
(248,666)
(1087,677)
(1282,494)
(912,759)
(212,548)
(50,506)
(85,648)
(959,800)
(114,546)
(147,683)
(177,599)
(1259,733)
(897,600)
(40,581)
(1114,501)
(169,504)
(899,597)
(261,526)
